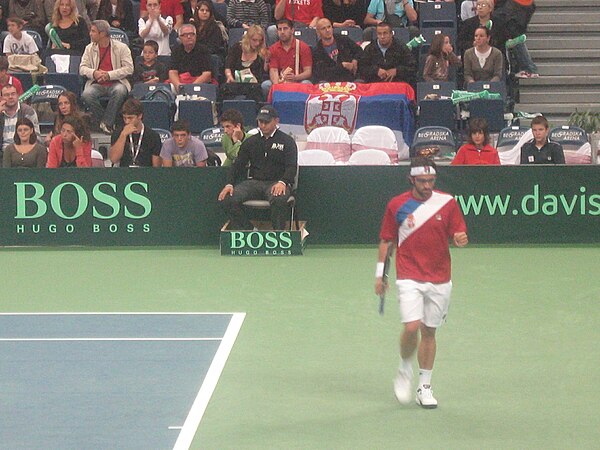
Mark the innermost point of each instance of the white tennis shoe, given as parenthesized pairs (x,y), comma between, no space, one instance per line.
(402,387)
(425,397)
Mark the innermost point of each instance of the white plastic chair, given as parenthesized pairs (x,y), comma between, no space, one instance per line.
(376,137)
(315,158)
(369,157)
(334,140)
(97,159)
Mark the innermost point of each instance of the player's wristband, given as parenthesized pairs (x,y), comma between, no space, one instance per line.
(282,182)
(379,270)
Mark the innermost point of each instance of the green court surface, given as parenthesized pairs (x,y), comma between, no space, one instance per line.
(312,367)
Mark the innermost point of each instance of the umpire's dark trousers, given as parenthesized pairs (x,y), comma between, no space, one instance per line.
(256,190)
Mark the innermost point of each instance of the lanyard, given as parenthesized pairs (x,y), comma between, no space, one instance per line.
(136,150)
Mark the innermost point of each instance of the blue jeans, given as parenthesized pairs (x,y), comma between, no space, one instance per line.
(116,94)
(524,61)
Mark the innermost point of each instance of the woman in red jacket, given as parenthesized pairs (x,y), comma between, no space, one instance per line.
(478,149)
(72,147)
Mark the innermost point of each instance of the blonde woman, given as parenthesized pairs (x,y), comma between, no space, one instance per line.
(248,55)
(70,27)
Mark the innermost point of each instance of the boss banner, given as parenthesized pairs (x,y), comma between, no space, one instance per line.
(342,204)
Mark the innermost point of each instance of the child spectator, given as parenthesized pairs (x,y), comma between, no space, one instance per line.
(17,42)
(540,150)
(441,57)
(150,70)
(477,150)
(156,27)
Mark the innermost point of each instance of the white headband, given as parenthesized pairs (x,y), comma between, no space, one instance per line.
(422,170)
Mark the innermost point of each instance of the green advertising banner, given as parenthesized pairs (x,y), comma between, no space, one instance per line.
(340,204)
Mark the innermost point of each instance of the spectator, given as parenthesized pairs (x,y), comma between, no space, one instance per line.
(467,28)
(244,13)
(134,144)
(441,57)
(17,42)
(12,110)
(248,54)
(168,8)
(183,149)
(6,78)
(232,122)
(336,57)
(31,12)
(271,159)
(477,151)
(511,20)
(283,65)
(345,13)
(301,14)
(118,13)
(482,62)
(72,147)
(387,60)
(149,69)
(25,151)
(67,106)
(540,150)
(106,64)
(3,15)
(468,9)
(190,61)
(87,9)
(70,27)
(210,32)
(155,27)
(396,14)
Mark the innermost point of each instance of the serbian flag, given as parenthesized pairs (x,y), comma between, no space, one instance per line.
(347,105)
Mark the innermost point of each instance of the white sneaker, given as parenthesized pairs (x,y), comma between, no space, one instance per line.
(425,397)
(402,387)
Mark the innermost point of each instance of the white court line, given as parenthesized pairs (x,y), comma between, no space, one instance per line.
(105,339)
(116,313)
(192,421)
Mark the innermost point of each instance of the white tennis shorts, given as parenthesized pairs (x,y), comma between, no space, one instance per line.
(427,302)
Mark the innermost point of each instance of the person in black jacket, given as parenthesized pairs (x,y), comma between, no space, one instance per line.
(387,59)
(336,57)
(271,158)
(540,150)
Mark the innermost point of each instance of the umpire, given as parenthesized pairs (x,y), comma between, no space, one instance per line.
(271,158)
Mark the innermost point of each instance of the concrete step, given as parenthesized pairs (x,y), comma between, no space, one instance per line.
(562,42)
(562,69)
(542,5)
(556,109)
(549,82)
(557,55)
(562,29)
(554,97)
(591,15)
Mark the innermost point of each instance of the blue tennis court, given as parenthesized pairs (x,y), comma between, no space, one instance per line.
(109,380)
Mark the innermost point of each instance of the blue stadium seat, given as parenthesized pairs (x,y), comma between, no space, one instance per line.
(437,14)
(119,35)
(198,113)
(25,78)
(306,35)
(248,109)
(354,33)
(164,134)
(429,33)
(212,137)
(492,110)
(427,137)
(498,87)
(206,90)
(157,114)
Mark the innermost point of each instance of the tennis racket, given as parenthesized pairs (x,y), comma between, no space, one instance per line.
(384,279)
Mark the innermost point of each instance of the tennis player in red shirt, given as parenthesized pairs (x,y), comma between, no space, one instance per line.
(420,222)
